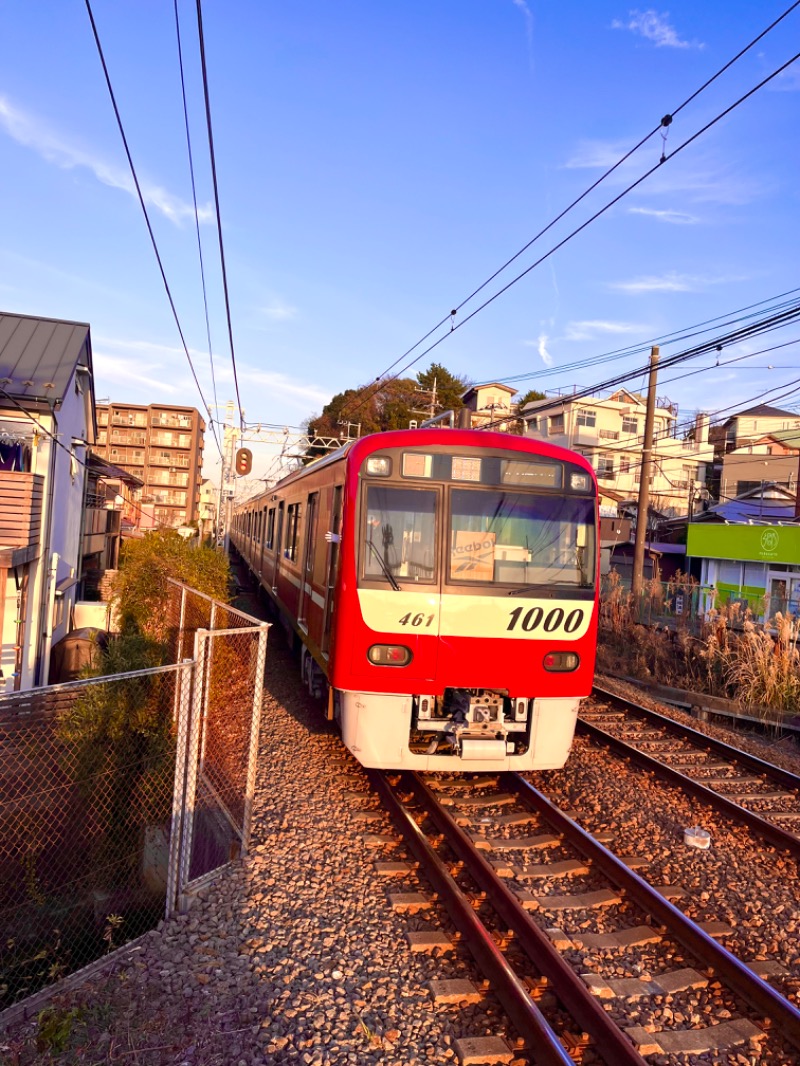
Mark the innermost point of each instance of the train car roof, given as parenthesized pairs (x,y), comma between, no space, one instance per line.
(395,438)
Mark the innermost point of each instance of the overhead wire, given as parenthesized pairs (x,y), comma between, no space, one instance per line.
(146,214)
(664,158)
(212,156)
(194,202)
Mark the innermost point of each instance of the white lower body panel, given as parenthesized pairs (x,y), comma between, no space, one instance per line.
(376,727)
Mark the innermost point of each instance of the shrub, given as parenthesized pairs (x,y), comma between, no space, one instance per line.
(141,590)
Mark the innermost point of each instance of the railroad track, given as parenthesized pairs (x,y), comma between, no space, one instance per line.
(590,964)
(763,796)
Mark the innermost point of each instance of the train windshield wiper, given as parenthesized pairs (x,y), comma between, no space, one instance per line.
(550,591)
(387,573)
(546,590)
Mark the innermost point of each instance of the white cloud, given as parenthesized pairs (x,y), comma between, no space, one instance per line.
(296,394)
(589,330)
(654,27)
(546,357)
(34,134)
(528,15)
(675,218)
(597,155)
(670,282)
(119,370)
(788,81)
(278,310)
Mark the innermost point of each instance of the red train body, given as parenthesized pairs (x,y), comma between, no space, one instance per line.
(443,586)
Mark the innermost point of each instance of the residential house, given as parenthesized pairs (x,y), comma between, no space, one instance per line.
(609,432)
(162,445)
(207,520)
(111,498)
(46,427)
(490,403)
(755,423)
(773,458)
(747,551)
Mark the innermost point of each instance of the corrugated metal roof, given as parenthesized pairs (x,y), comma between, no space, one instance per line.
(38,356)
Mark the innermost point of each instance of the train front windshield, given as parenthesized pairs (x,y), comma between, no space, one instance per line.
(492,537)
(521,538)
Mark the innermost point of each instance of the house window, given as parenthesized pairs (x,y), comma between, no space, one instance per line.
(586,418)
(624,464)
(556,424)
(533,424)
(630,424)
(605,466)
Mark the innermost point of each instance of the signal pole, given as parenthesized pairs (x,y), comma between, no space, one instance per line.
(226,482)
(637,579)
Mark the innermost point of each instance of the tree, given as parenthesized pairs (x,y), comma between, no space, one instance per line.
(529,397)
(449,387)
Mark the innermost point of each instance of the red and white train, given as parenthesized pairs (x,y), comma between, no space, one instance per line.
(443,584)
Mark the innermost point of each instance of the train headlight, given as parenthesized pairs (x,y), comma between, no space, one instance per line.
(389,655)
(378,466)
(561,662)
(580,482)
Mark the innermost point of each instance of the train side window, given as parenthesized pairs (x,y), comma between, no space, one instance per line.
(311,523)
(279,531)
(270,529)
(292,529)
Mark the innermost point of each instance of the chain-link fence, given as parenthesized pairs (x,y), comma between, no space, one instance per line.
(87,773)
(118,793)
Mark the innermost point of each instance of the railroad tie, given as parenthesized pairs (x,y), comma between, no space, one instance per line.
(720,1037)
(429,941)
(542,840)
(601,897)
(641,988)
(499,799)
(621,940)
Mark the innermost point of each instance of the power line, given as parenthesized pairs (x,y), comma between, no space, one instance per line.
(194,202)
(145,213)
(664,123)
(216,205)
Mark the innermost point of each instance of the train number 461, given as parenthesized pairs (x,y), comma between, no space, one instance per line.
(416,620)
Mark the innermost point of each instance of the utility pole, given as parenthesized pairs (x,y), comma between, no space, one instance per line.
(637,580)
(434,403)
(226,485)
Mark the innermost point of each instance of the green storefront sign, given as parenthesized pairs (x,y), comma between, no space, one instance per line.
(758,544)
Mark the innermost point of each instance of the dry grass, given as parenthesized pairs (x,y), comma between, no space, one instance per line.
(724,653)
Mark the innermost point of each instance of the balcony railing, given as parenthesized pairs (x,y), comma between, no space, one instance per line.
(20,508)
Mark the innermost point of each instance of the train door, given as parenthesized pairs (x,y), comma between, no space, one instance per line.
(307,563)
(278,539)
(332,566)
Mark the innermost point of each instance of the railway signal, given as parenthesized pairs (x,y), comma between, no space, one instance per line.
(244,461)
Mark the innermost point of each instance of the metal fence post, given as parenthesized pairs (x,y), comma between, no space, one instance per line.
(255,728)
(192,762)
(184,705)
(207,684)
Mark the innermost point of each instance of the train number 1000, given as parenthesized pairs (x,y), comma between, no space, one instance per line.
(555,619)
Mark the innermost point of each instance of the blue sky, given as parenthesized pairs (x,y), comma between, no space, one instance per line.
(376,163)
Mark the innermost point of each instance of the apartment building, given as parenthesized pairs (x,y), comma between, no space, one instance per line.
(162,445)
(609,433)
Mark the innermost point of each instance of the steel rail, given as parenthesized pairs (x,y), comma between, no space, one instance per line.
(781,838)
(540,1039)
(719,747)
(613,1046)
(738,977)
